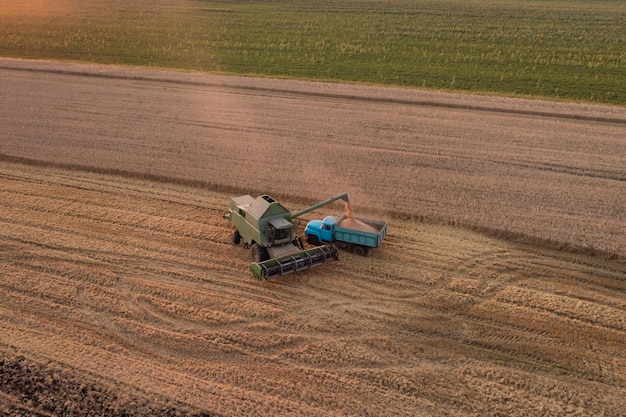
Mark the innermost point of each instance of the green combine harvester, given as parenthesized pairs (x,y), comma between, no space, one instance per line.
(267,227)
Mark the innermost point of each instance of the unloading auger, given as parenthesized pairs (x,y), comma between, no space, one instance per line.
(267,227)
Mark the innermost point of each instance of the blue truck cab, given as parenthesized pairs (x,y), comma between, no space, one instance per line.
(357,235)
(323,230)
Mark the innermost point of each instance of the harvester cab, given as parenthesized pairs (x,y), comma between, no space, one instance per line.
(267,228)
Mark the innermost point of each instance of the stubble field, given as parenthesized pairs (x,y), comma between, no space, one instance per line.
(125,296)
(133,291)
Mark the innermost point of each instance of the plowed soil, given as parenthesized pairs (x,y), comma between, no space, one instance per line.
(125,296)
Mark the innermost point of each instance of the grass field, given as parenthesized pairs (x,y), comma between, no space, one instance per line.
(572,50)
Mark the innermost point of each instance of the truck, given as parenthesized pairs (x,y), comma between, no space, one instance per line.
(268,229)
(355,234)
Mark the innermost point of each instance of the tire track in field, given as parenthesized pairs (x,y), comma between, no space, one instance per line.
(487,279)
(553,318)
(110,324)
(481,278)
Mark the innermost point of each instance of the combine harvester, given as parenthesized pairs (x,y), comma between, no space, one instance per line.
(267,228)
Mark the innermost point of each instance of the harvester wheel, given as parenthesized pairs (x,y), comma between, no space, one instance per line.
(360,250)
(236,237)
(313,240)
(258,253)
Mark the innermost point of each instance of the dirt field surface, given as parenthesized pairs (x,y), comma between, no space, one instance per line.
(125,296)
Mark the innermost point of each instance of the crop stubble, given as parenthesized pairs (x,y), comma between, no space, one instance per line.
(550,172)
(130,291)
(133,287)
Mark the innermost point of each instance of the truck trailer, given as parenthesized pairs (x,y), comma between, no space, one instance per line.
(355,234)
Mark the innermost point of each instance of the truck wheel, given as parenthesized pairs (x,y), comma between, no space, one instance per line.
(360,250)
(258,253)
(236,237)
(313,240)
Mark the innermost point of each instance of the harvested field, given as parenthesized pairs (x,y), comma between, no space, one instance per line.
(549,172)
(125,296)
(122,294)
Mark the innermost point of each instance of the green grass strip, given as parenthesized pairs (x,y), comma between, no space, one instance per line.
(560,49)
